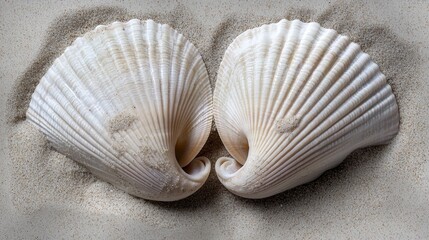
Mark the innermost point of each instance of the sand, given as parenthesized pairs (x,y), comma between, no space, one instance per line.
(378,192)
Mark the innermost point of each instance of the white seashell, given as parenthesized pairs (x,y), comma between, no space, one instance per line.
(132,102)
(292,100)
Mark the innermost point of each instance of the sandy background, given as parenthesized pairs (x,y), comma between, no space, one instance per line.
(379,192)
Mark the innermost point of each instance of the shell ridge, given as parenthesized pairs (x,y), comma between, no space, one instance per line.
(313,35)
(246,88)
(356,121)
(116,53)
(166,54)
(185,117)
(64,117)
(297,166)
(288,80)
(331,61)
(331,77)
(159,74)
(122,41)
(103,105)
(319,49)
(178,97)
(190,98)
(260,62)
(126,43)
(241,94)
(149,37)
(146,76)
(282,182)
(182,75)
(273,91)
(277,77)
(322,121)
(132,140)
(41,122)
(352,122)
(323,50)
(301,55)
(246,127)
(139,53)
(361,123)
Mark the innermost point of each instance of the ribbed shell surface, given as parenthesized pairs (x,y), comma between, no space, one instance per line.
(132,102)
(292,100)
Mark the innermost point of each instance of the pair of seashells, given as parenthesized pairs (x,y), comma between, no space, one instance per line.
(133,103)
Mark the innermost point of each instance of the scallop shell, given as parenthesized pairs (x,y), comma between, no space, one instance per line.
(292,100)
(133,103)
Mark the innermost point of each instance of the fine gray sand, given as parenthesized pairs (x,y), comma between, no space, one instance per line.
(376,193)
